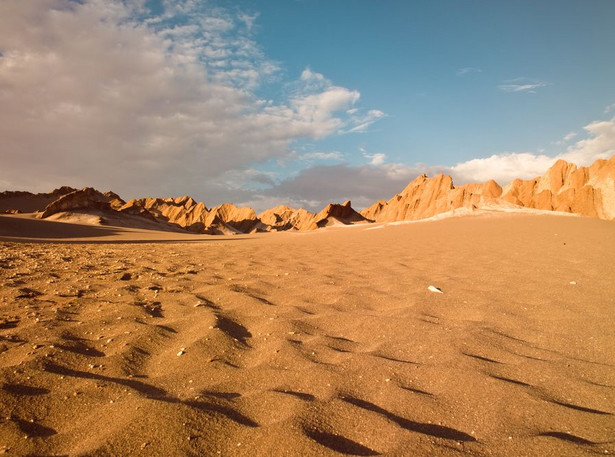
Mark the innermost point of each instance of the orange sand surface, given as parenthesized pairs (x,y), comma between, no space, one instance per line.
(118,341)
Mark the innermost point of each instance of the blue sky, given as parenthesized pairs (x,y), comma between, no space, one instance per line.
(299,102)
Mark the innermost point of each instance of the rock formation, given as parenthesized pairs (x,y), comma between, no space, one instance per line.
(27,202)
(426,197)
(86,199)
(284,217)
(587,191)
(335,214)
(182,212)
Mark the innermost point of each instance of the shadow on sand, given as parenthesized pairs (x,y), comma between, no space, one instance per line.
(30,230)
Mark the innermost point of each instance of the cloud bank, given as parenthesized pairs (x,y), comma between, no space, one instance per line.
(114,95)
(315,187)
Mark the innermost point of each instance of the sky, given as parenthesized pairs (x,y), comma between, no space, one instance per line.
(299,102)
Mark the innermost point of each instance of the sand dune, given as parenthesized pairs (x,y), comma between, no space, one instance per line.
(317,343)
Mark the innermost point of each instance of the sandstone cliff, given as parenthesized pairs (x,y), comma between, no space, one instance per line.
(587,191)
(86,199)
(27,202)
(335,214)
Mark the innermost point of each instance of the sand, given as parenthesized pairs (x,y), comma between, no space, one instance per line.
(128,342)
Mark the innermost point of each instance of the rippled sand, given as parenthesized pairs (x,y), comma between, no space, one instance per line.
(319,343)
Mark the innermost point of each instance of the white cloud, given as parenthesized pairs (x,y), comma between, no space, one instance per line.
(376,159)
(316,108)
(468,70)
(600,144)
(609,108)
(365,184)
(503,168)
(522,85)
(334,155)
(106,94)
(309,75)
(360,123)
(566,138)
(570,136)
(248,20)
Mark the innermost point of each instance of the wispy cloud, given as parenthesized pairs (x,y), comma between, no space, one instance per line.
(522,85)
(248,20)
(609,108)
(570,136)
(318,155)
(361,122)
(374,159)
(566,138)
(315,97)
(468,70)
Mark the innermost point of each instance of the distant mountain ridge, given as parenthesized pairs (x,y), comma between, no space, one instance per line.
(586,191)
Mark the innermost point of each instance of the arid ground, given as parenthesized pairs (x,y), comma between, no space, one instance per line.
(128,342)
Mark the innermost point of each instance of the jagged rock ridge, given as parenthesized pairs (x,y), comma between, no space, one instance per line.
(587,191)
(27,202)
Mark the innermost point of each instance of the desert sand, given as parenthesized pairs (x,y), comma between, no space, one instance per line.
(117,341)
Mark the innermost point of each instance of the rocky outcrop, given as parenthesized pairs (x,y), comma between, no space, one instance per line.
(12,202)
(373,211)
(182,212)
(588,191)
(229,218)
(336,214)
(86,199)
(426,197)
(287,218)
